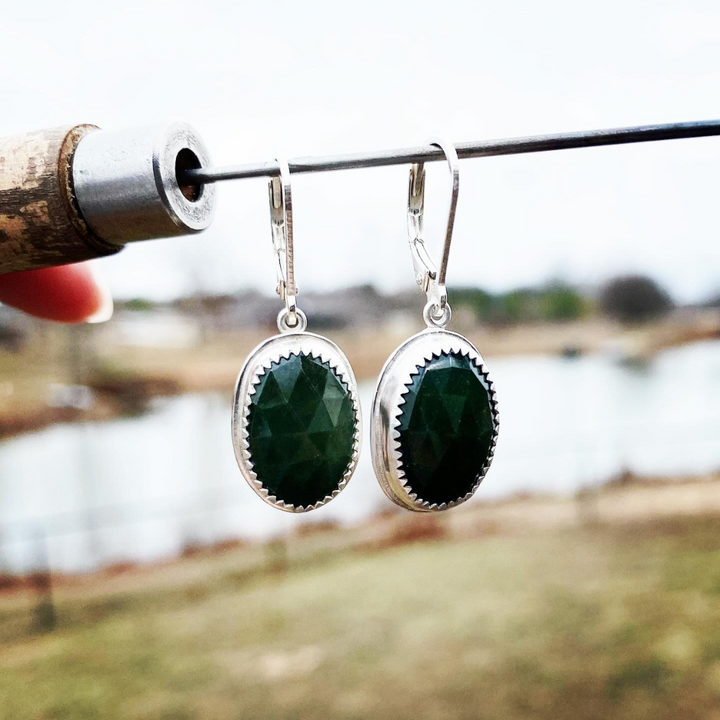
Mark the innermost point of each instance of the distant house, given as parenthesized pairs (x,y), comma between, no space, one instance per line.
(162,327)
(190,320)
(360,306)
(14,329)
(336,310)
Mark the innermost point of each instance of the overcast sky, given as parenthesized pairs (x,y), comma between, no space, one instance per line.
(299,78)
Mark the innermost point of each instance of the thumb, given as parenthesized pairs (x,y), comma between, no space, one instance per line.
(68,294)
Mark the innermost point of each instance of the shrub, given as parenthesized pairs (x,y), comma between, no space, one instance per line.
(635,299)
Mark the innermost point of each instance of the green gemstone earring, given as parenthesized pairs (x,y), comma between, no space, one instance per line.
(296,414)
(434,417)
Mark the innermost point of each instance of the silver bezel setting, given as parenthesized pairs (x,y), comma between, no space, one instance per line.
(387,408)
(258,362)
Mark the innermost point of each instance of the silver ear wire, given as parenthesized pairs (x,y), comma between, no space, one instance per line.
(437,311)
(291,318)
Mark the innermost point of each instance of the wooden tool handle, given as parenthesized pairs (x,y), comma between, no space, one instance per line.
(40,221)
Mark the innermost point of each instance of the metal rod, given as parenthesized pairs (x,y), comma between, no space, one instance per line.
(430,153)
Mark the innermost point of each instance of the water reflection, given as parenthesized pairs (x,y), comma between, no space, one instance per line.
(145,488)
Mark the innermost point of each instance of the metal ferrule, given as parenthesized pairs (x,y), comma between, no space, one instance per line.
(127,188)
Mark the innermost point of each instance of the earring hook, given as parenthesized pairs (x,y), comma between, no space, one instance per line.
(437,311)
(290,318)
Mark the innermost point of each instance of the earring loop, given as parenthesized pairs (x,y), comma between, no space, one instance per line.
(435,317)
(427,275)
(284,325)
(280,197)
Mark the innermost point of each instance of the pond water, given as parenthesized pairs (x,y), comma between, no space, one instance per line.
(78,496)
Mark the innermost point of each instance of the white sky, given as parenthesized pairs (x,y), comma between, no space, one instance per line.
(300,78)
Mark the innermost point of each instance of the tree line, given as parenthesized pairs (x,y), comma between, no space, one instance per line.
(629,299)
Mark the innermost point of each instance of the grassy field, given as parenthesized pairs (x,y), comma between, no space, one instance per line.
(598,620)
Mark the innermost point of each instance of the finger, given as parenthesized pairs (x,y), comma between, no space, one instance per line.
(69,294)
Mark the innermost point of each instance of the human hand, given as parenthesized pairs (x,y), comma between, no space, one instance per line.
(67,294)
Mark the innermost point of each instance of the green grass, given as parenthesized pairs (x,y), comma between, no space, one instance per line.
(596,623)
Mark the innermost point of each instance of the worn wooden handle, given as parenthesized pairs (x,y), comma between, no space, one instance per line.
(40,221)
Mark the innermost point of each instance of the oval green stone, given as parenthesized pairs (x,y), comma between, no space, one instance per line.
(446,428)
(301,429)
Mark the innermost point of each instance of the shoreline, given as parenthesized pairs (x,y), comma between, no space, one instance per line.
(626,500)
(124,379)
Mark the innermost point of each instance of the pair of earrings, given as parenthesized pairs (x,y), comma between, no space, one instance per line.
(296,421)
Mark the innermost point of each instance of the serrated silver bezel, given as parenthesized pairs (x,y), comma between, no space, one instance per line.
(387,408)
(259,361)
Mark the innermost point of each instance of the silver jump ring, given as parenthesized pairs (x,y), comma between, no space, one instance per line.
(283,321)
(435,316)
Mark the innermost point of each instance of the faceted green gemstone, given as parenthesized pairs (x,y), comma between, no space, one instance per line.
(301,428)
(446,427)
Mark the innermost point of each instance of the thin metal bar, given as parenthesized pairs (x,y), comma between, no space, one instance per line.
(430,153)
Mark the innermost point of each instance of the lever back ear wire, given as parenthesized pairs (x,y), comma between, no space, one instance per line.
(437,311)
(290,318)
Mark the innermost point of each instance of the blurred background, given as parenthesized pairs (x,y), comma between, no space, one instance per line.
(141,578)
